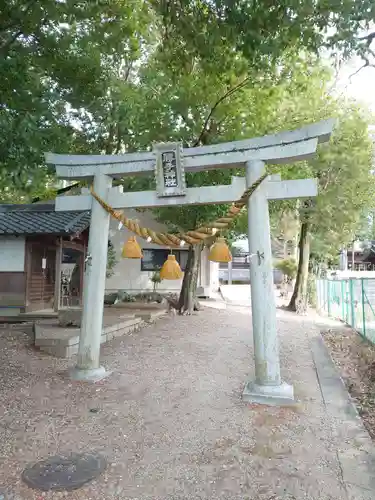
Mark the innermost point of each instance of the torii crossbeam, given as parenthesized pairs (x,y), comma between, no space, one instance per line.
(168,162)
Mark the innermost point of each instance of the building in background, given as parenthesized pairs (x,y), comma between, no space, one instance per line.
(361,257)
(238,271)
(42,259)
(42,256)
(134,275)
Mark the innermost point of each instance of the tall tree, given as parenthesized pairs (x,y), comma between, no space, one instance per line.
(343,168)
(56,57)
(202,107)
(346,185)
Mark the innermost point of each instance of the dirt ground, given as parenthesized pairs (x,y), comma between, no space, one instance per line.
(355,358)
(170,419)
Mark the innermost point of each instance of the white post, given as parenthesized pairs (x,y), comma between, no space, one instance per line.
(267,387)
(230,273)
(88,367)
(343,259)
(56,305)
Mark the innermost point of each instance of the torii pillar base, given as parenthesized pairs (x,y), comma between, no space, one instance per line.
(92,375)
(273,395)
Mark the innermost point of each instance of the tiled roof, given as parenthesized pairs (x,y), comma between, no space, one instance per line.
(41,219)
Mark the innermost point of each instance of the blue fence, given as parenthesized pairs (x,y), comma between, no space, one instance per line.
(350,300)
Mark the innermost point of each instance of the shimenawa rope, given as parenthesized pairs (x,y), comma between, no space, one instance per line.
(191,237)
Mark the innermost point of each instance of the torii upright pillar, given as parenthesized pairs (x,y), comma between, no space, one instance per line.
(267,386)
(169,163)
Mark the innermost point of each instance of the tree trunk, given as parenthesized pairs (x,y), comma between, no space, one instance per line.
(298,302)
(294,249)
(188,301)
(285,249)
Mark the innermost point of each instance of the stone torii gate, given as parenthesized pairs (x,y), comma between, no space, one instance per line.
(169,163)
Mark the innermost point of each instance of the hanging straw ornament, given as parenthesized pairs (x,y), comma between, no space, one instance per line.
(220,252)
(131,249)
(171,269)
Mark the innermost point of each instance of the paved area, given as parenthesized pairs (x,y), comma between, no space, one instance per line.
(236,294)
(240,295)
(171,422)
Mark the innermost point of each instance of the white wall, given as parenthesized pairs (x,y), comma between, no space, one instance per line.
(12,254)
(127,272)
(209,274)
(351,274)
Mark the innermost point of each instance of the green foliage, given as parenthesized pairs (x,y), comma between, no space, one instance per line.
(346,183)
(156,279)
(288,267)
(198,107)
(263,31)
(126,297)
(56,60)
(343,167)
(115,75)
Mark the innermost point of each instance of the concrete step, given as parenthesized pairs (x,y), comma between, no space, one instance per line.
(127,326)
(26,317)
(151,315)
(63,342)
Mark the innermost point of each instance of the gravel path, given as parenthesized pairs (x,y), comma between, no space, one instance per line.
(170,419)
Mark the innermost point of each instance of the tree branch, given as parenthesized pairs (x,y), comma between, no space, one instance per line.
(366,64)
(6,45)
(128,70)
(59,191)
(118,141)
(227,94)
(369,38)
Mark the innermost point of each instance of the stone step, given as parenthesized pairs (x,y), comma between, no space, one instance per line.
(127,326)
(151,316)
(26,317)
(63,342)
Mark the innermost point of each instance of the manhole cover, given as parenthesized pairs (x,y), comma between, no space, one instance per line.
(64,472)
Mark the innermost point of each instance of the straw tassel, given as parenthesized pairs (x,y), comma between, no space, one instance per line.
(171,269)
(220,252)
(131,249)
